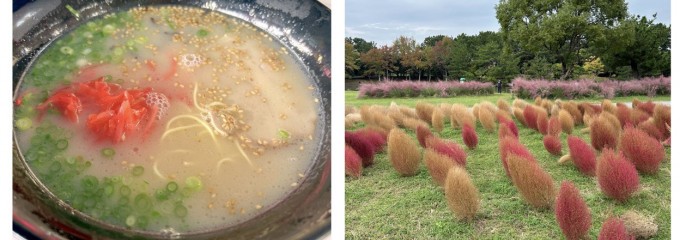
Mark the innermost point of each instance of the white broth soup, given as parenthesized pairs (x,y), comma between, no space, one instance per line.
(168,119)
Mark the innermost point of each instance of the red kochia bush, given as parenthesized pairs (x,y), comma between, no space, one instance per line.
(423,133)
(542,122)
(449,149)
(571,212)
(603,134)
(644,151)
(614,229)
(662,117)
(650,128)
(510,145)
(623,114)
(582,155)
(469,136)
(504,131)
(510,125)
(361,146)
(648,107)
(552,144)
(376,138)
(530,116)
(554,126)
(616,175)
(352,162)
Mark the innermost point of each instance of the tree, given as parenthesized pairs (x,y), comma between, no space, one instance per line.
(379,61)
(560,28)
(431,40)
(645,47)
(439,56)
(351,59)
(361,45)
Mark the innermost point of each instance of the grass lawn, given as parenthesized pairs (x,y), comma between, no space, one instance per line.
(352,100)
(383,205)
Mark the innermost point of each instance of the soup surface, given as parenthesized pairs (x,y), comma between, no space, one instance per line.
(167,119)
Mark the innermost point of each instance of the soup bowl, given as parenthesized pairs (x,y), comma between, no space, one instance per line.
(301,26)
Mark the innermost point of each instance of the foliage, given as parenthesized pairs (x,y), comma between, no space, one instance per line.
(438,165)
(616,175)
(582,155)
(644,151)
(651,87)
(613,229)
(572,212)
(361,146)
(403,153)
(461,194)
(409,89)
(352,162)
(533,183)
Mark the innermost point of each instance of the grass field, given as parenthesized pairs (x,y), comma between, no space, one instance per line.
(383,205)
(352,100)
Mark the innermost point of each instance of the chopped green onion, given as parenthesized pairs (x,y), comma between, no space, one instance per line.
(283,134)
(125,190)
(142,221)
(202,32)
(66,50)
(108,29)
(108,78)
(62,144)
(73,11)
(123,200)
(180,211)
(142,201)
(108,189)
(55,167)
(108,152)
(194,183)
(24,123)
(137,171)
(162,194)
(89,182)
(172,186)
(130,221)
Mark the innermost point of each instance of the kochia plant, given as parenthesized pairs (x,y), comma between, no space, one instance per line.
(403,152)
(461,194)
(571,212)
(616,175)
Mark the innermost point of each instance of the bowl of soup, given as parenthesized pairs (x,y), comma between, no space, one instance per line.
(177,119)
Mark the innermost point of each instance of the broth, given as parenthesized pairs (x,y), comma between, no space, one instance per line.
(168,119)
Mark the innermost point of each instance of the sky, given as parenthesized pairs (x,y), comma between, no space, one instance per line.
(382,21)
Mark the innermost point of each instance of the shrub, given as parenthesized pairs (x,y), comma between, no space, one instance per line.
(552,144)
(638,116)
(644,151)
(603,134)
(662,118)
(513,128)
(571,212)
(623,114)
(446,110)
(503,106)
(650,128)
(352,162)
(450,149)
(469,136)
(361,146)
(608,106)
(487,119)
(530,117)
(403,152)
(438,120)
(423,133)
(423,89)
(504,131)
(461,194)
(534,184)
(414,123)
(438,165)
(424,111)
(614,229)
(510,145)
(616,175)
(588,88)
(409,112)
(519,114)
(366,114)
(572,108)
(554,126)
(648,107)
(542,122)
(613,120)
(638,225)
(566,120)
(582,155)
(375,137)
(457,113)
(396,115)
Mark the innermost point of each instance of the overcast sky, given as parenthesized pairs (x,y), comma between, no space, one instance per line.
(382,21)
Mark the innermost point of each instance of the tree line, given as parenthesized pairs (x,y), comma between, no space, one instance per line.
(538,39)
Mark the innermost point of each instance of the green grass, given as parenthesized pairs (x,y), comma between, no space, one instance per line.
(352,100)
(383,205)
